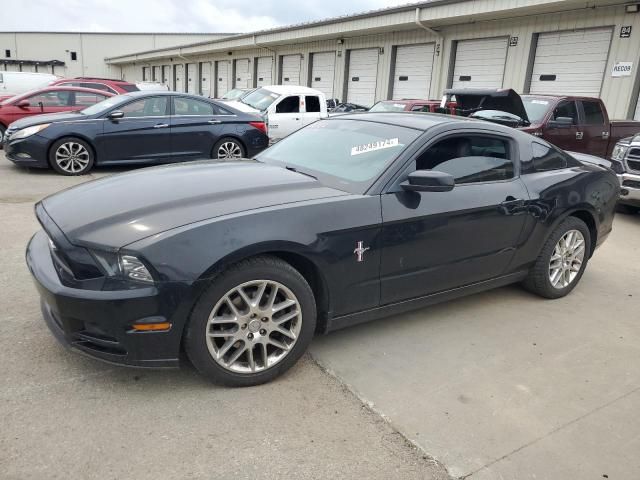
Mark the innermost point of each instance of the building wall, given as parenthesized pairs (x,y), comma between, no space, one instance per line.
(91,49)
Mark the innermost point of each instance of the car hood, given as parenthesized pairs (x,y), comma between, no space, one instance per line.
(115,211)
(470,100)
(46,118)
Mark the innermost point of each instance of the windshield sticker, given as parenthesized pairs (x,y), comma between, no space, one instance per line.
(540,102)
(374,146)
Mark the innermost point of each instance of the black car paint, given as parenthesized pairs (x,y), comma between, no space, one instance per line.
(423,246)
(132,140)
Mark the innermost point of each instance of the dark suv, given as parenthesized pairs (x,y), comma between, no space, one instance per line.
(108,85)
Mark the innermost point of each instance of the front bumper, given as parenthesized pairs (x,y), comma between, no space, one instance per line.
(98,323)
(629,189)
(29,152)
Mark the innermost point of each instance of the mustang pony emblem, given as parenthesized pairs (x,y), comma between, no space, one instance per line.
(359,251)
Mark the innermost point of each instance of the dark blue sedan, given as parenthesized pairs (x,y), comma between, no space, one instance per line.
(136,128)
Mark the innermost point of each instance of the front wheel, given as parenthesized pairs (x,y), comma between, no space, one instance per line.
(71,156)
(252,324)
(228,149)
(562,260)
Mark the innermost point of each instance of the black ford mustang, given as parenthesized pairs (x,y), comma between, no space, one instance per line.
(138,127)
(349,219)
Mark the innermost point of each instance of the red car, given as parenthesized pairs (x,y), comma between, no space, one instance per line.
(411,105)
(105,84)
(48,100)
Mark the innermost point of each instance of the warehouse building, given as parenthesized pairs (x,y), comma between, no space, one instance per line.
(81,54)
(577,47)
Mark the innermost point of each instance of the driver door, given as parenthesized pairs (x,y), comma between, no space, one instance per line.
(437,241)
(565,137)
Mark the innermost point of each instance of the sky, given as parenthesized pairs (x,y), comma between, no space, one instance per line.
(173,15)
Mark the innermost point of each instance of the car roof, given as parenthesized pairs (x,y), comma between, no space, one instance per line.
(55,88)
(290,89)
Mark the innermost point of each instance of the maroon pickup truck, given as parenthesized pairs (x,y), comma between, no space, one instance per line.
(577,124)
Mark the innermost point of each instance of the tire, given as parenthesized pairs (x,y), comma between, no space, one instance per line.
(71,156)
(540,276)
(627,209)
(225,350)
(2,130)
(233,148)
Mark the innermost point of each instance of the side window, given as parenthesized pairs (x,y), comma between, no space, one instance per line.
(96,86)
(63,98)
(289,105)
(593,113)
(221,111)
(87,99)
(566,109)
(420,108)
(312,104)
(147,107)
(547,158)
(470,159)
(189,106)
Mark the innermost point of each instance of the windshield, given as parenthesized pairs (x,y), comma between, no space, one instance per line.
(260,99)
(536,108)
(344,154)
(233,94)
(103,105)
(388,107)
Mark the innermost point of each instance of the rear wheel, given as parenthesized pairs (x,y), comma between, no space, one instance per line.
(252,324)
(562,260)
(71,156)
(228,149)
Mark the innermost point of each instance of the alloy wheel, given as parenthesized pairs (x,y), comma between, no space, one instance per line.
(229,150)
(72,157)
(253,326)
(566,259)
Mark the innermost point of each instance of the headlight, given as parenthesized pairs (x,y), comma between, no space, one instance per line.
(27,132)
(127,267)
(619,151)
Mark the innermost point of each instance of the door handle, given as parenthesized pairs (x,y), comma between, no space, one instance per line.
(161,125)
(579,135)
(605,134)
(214,122)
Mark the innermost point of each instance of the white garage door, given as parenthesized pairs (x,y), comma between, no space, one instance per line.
(323,67)
(412,74)
(192,77)
(571,62)
(205,78)
(223,84)
(363,74)
(167,75)
(480,63)
(290,74)
(264,71)
(637,115)
(157,76)
(243,77)
(13,67)
(179,72)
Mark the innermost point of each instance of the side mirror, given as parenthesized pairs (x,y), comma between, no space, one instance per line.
(23,104)
(560,122)
(429,181)
(115,115)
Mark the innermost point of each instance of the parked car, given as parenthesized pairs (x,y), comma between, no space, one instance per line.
(15,83)
(411,105)
(106,84)
(579,124)
(626,163)
(349,219)
(237,93)
(47,100)
(137,127)
(349,107)
(152,86)
(285,108)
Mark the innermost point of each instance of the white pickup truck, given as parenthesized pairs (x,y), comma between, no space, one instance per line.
(285,108)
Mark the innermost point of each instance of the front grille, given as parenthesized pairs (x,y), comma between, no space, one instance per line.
(631,183)
(99,342)
(633,165)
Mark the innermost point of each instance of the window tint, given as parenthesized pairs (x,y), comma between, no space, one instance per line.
(62,98)
(129,88)
(84,99)
(97,86)
(147,107)
(547,158)
(592,113)
(312,104)
(566,109)
(221,111)
(470,159)
(189,106)
(289,105)
(420,108)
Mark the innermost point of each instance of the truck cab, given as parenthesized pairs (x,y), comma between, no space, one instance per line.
(285,108)
(625,161)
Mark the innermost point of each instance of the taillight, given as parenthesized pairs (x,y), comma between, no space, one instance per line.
(260,126)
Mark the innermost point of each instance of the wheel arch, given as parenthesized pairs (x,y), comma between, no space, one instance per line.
(232,136)
(74,135)
(590,220)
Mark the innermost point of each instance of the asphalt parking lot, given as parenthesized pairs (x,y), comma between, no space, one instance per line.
(497,385)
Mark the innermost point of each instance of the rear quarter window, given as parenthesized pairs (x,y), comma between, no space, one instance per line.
(129,88)
(546,158)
